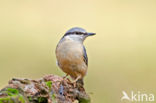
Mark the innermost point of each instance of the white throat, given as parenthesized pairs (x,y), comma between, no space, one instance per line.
(79,38)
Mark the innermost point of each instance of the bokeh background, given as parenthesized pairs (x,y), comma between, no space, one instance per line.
(122,56)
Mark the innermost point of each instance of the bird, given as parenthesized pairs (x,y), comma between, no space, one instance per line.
(71,54)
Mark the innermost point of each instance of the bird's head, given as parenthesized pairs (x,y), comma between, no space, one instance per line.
(77,34)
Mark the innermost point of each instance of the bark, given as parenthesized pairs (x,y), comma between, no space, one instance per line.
(49,89)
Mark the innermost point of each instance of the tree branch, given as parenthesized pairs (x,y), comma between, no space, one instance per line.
(49,89)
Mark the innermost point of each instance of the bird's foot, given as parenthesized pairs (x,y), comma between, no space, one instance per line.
(74,82)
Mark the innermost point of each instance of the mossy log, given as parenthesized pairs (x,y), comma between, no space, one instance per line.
(49,89)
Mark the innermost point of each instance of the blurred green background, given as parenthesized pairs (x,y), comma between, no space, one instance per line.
(122,56)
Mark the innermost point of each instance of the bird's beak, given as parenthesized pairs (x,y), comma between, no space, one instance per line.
(91,34)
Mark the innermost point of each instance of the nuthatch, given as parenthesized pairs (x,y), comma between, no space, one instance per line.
(71,54)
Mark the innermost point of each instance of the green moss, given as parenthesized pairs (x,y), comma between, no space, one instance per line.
(53,97)
(42,100)
(82,100)
(38,99)
(12,99)
(21,98)
(30,98)
(13,96)
(12,91)
(49,84)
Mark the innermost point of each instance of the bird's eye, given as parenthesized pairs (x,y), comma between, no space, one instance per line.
(78,33)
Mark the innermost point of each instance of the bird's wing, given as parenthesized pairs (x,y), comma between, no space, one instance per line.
(85,58)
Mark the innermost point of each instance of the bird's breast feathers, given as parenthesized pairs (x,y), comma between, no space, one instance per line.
(70,57)
(69,51)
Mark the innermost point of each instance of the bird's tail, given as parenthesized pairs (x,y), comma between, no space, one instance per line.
(80,82)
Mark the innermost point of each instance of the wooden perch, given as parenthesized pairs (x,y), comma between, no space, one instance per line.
(49,89)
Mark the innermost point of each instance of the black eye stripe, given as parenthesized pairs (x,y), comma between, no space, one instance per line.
(77,33)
